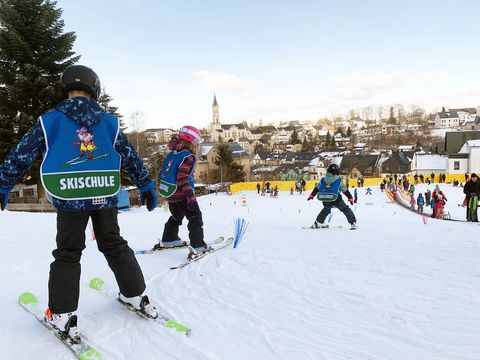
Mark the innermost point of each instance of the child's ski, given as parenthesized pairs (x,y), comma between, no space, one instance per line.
(322,228)
(80,348)
(224,244)
(100,285)
(163,248)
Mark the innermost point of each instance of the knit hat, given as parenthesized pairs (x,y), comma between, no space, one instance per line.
(474,175)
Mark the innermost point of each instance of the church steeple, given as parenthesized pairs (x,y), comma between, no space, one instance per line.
(215,111)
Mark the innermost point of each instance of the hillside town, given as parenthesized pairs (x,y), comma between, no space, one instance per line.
(403,144)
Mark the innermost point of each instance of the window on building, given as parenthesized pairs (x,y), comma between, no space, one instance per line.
(456,165)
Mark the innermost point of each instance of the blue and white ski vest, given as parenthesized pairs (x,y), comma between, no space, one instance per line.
(328,192)
(168,176)
(80,163)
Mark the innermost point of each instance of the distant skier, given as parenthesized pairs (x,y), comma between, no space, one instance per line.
(177,184)
(328,191)
(412,201)
(428,196)
(420,203)
(439,207)
(439,202)
(76,204)
(369,191)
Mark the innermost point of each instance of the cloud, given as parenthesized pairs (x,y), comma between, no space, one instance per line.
(363,86)
(219,80)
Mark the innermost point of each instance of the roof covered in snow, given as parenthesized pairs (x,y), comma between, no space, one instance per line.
(431,162)
(469,144)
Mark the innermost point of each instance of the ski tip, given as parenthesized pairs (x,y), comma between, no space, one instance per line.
(90,354)
(218,240)
(178,327)
(96,283)
(27,298)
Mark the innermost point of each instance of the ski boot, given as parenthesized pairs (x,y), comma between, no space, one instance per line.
(66,323)
(141,303)
(317,225)
(198,251)
(169,244)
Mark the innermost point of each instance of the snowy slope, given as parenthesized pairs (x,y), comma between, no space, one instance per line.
(394,289)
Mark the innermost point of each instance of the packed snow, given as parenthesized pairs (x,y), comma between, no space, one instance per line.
(400,287)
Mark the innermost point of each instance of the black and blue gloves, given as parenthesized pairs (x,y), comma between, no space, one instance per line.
(148,195)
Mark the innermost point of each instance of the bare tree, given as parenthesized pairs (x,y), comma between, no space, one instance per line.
(381,113)
(137,120)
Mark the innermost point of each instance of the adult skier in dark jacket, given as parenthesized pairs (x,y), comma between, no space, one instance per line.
(83,151)
(470,189)
(328,190)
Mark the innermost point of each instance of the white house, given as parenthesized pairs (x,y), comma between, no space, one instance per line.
(160,135)
(447,119)
(429,163)
(317,168)
(467,159)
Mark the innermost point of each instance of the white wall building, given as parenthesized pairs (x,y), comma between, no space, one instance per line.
(429,163)
(471,160)
(160,135)
(446,119)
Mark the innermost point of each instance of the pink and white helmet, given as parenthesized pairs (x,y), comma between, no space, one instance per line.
(190,134)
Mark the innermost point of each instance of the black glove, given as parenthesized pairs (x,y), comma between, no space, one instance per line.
(148,195)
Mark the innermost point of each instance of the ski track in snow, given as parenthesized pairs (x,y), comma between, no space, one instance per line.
(394,289)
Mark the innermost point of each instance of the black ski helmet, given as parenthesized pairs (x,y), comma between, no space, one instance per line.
(333,169)
(79,77)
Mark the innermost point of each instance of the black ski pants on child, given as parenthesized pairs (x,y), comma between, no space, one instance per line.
(340,205)
(64,281)
(179,210)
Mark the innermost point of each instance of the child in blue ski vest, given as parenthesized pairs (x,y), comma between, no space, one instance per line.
(328,191)
(83,150)
(177,184)
(420,203)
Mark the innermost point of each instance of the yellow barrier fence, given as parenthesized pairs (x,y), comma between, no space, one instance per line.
(286,185)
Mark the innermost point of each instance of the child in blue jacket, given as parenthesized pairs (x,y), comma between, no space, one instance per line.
(83,151)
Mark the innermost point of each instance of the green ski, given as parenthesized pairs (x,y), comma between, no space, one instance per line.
(81,349)
(103,288)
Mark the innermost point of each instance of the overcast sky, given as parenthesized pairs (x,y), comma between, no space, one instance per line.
(277,60)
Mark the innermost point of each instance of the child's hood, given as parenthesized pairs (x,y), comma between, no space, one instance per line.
(84,111)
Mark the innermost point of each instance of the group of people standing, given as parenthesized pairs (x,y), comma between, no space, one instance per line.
(266,188)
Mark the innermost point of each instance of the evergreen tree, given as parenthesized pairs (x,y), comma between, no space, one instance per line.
(294,137)
(229,170)
(34,51)
(328,140)
(104,100)
(333,143)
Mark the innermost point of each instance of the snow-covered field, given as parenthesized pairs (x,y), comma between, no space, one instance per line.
(397,288)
